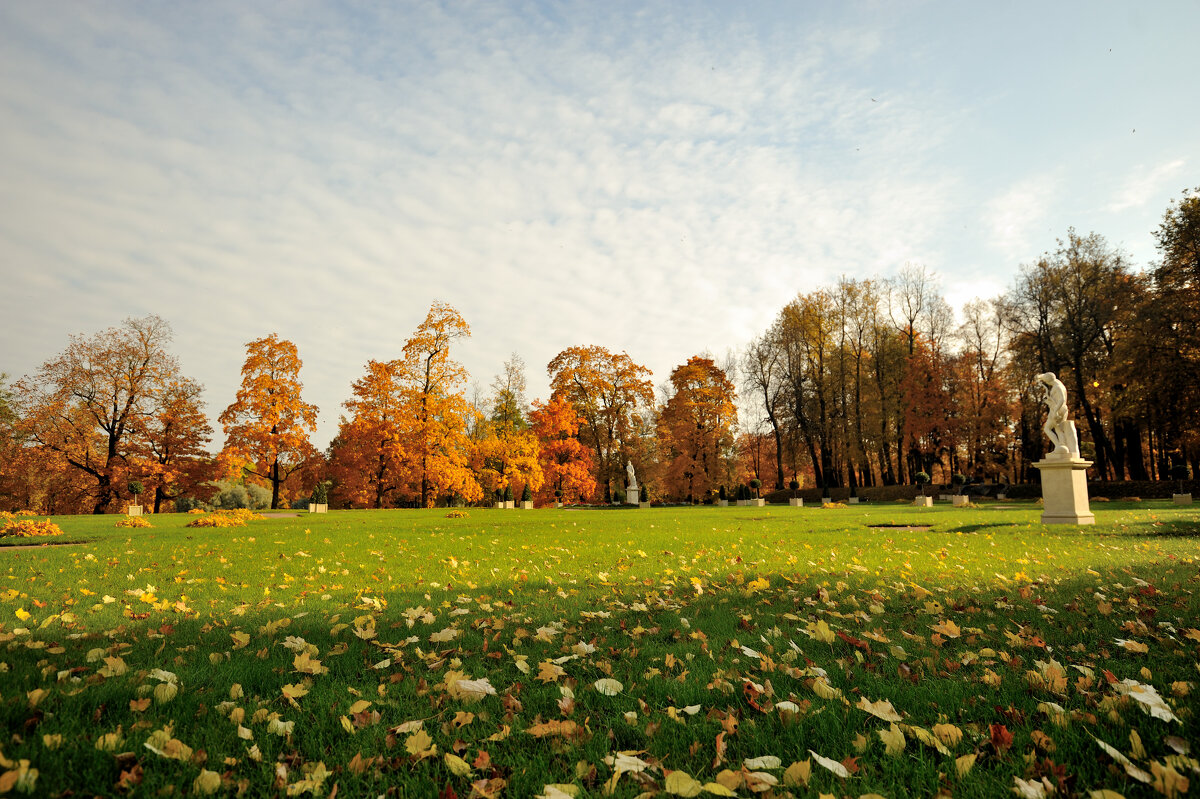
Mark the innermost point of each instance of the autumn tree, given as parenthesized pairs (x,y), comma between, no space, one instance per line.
(762,371)
(86,404)
(368,459)
(605,389)
(507,450)
(171,442)
(435,418)
(268,424)
(567,465)
(696,426)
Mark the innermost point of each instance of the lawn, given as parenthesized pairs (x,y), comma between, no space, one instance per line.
(690,651)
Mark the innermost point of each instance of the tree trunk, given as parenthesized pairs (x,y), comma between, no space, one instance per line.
(275,481)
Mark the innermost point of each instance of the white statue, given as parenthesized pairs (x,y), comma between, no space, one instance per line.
(1059,429)
(629,473)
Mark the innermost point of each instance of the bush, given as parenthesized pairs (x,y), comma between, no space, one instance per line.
(958,479)
(135,487)
(320,494)
(756,484)
(508,494)
(187,504)
(619,496)
(527,494)
(133,521)
(458,514)
(794,485)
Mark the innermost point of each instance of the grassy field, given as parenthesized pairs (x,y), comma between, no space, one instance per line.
(693,651)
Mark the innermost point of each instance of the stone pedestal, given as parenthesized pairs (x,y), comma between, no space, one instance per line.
(758,503)
(853,500)
(631,496)
(1002,496)
(826,501)
(527,505)
(923,502)
(134,510)
(722,503)
(1182,499)
(959,500)
(796,502)
(643,504)
(1064,491)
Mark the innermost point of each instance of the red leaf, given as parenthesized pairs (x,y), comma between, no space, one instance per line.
(1001,738)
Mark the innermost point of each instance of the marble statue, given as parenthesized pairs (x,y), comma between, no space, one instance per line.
(1059,429)
(632,477)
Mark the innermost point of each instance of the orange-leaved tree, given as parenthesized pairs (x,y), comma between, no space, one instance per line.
(268,425)
(85,403)
(434,423)
(567,464)
(605,389)
(696,427)
(368,458)
(171,440)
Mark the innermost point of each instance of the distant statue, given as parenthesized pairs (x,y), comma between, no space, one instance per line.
(1059,429)
(629,473)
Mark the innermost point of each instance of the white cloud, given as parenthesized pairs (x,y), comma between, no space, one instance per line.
(1146,185)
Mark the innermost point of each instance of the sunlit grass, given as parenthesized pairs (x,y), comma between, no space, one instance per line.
(987,619)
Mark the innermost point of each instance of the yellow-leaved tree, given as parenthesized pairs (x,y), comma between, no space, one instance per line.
(433,424)
(268,425)
(507,453)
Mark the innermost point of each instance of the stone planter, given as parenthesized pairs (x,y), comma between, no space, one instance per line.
(796,502)
(945,497)
(853,500)
(1182,499)
(136,510)
(320,507)
(558,504)
(923,502)
(643,504)
(757,503)
(1002,496)
(527,506)
(959,500)
(826,500)
(723,503)
(312,507)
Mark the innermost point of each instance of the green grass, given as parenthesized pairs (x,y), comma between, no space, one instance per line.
(683,607)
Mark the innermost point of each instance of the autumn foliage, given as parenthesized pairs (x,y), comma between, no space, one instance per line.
(696,428)
(269,423)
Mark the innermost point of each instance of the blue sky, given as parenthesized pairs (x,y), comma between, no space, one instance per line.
(656,178)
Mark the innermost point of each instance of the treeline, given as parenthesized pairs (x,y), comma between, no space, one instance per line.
(868,382)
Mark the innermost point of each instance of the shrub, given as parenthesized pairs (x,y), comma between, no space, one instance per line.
(756,484)
(619,496)
(458,514)
(527,494)
(133,521)
(320,494)
(508,494)
(923,479)
(188,505)
(558,494)
(958,479)
(28,528)
(135,487)
(721,493)
(833,504)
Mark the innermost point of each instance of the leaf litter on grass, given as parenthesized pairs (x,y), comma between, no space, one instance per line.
(978,663)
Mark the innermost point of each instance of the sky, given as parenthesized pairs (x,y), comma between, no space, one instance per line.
(654,178)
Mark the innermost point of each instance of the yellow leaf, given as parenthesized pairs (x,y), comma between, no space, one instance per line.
(305,664)
(964,764)
(52,741)
(798,774)
(22,614)
(240,639)
(165,692)
(549,672)
(346,725)
(1104,793)
(947,628)
(208,782)
(893,740)
(882,709)
(458,767)
(682,784)
(948,734)
(717,789)
(419,743)
(820,631)
(359,707)
(35,696)
(1168,781)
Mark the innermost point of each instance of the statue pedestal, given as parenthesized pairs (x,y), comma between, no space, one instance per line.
(1064,491)
(631,496)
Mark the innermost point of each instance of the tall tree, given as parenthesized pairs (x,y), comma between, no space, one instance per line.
(435,421)
(85,404)
(605,389)
(367,458)
(269,424)
(508,452)
(173,433)
(762,370)
(567,464)
(696,427)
